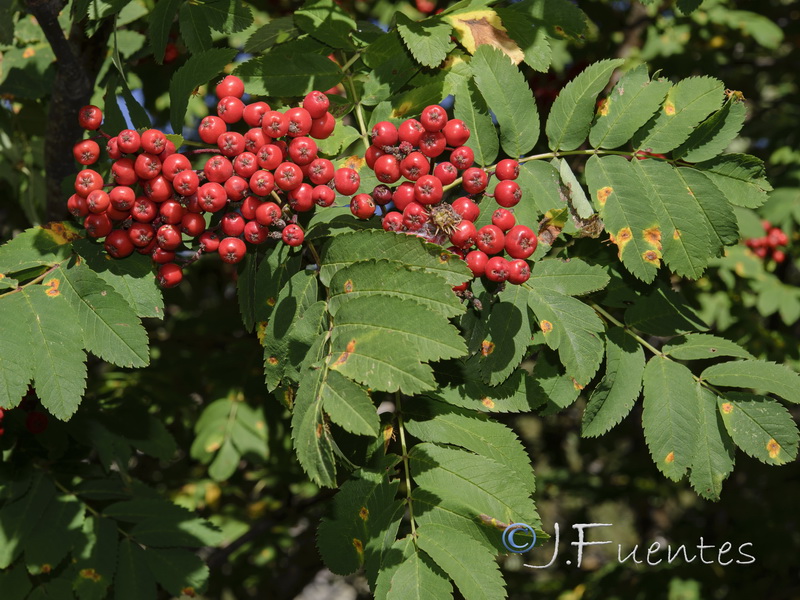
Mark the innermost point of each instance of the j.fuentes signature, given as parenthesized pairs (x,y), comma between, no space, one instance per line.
(654,554)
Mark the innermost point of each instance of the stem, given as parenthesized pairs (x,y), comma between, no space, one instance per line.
(631,333)
(406,467)
(64,490)
(313,252)
(352,60)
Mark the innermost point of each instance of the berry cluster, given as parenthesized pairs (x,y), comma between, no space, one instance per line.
(252,186)
(412,151)
(36,421)
(773,238)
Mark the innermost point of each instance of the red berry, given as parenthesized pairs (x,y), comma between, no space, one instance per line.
(445,172)
(141,234)
(507,168)
(433,118)
(462,157)
(267,213)
(144,210)
(231,143)
(218,169)
(230,109)
(322,195)
(372,154)
(432,143)
(232,250)
(504,219)
(174,164)
(212,197)
(382,194)
(232,224)
(387,169)
(245,164)
(76,205)
(185,183)
(464,235)
(169,275)
(392,221)
(159,255)
(123,172)
(456,132)
(299,122)
(346,181)
(474,180)
(362,206)
(86,152)
(97,201)
(301,198)
(466,208)
(97,226)
(112,148)
(415,216)
(168,237)
(129,141)
(778,256)
(158,189)
(122,197)
(171,212)
(230,86)
(520,241)
(303,150)
(147,166)
(253,113)
(211,128)
(518,271)
(317,104)
(153,141)
(497,269)
(383,134)
(410,131)
(476,261)
(209,241)
(490,239)
(403,195)
(255,233)
(90,117)
(320,171)
(118,244)
(36,422)
(414,166)
(254,138)
(236,187)
(87,181)
(507,193)
(293,235)
(288,176)
(323,127)
(428,190)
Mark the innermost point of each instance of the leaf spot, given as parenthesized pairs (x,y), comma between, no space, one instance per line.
(363,513)
(676,235)
(727,408)
(358,545)
(319,430)
(651,256)
(354,162)
(53,287)
(189,591)
(669,108)
(444,257)
(577,385)
(261,331)
(546,326)
(603,194)
(487,402)
(348,286)
(774,448)
(349,349)
(60,233)
(487,347)
(271,301)
(652,236)
(272,360)
(90,574)
(602,108)
(670,458)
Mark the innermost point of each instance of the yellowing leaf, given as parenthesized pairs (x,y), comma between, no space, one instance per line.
(484,27)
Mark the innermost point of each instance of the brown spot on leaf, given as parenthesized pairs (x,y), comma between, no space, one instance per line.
(670,458)
(492,522)
(29,51)
(90,574)
(774,448)
(319,430)
(602,109)
(576,385)
(487,402)
(358,545)
(46,568)
(727,408)
(61,233)
(349,349)
(189,591)
(261,331)
(652,236)
(652,257)
(691,193)
(271,301)
(481,27)
(669,108)
(272,360)
(52,286)
(348,286)
(676,235)
(487,347)
(363,513)
(444,257)
(388,436)
(603,194)
(546,326)
(354,162)
(560,30)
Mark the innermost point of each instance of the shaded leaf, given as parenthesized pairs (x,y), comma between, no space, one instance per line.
(713,455)
(757,374)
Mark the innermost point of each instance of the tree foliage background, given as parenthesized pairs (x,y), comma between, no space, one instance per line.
(195,453)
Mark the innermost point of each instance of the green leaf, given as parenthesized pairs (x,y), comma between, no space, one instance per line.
(507,93)
(419,578)
(275,32)
(19,518)
(683,231)
(274,271)
(59,373)
(740,177)
(615,395)
(97,562)
(519,393)
(15,583)
(757,374)
(663,312)
(225,462)
(133,580)
(471,108)
(169,531)
(16,350)
(669,418)
(471,485)
(227,16)
(714,134)
(444,424)
(111,330)
(195,32)
(349,406)
(177,571)
(573,277)
(427,40)
(38,246)
(699,346)
(631,103)
(712,461)
(42,549)
(282,74)
(531,39)
(687,104)
(384,343)
(296,296)
(560,18)
(159,25)
(715,207)
(571,115)
(392,278)
(572,192)
(540,183)
(471,566)
(362,515)
(558,389)
(326,21)
(761,427)
(412,251)
(201,66)
(508,335)
(617,192)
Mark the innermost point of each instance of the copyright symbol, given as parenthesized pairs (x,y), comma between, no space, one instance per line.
(508,538)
